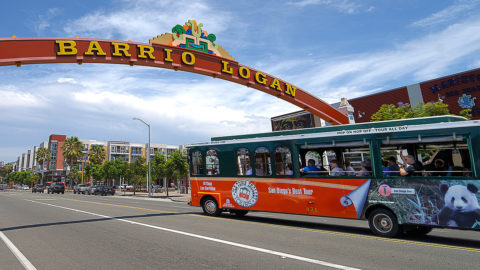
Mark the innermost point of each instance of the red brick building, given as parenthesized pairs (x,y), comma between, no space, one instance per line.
(55,165)
(460,91)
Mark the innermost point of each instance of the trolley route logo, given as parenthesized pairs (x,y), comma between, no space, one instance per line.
(245,193)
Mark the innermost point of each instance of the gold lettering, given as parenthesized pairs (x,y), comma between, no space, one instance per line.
(66,47)
(145,50)
(226,68)
(185,60)
(290,90)
(276,85)
(261,78)
(121,49)
(168,55)
(94,46)
(244,72)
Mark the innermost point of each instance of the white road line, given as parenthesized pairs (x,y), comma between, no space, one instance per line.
(23,260)
(263,250)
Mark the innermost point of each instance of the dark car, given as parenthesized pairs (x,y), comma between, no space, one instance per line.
(58,187)
(38,188)
(91,190)
(104,190)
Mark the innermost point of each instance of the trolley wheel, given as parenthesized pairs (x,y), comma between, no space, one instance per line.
(417,230)
(239,213)
(383,223)
(210,207)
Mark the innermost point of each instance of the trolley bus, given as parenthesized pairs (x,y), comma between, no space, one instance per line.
(403,176)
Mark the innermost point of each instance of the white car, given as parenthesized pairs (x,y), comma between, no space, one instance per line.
(25,187)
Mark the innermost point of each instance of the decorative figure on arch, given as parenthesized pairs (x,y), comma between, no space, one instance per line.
(192,36)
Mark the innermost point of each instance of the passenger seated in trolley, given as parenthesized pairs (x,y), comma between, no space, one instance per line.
(311,169)
(349,170)
(411,166)
(335,170)
(249,169)
(365,168)
(284,171)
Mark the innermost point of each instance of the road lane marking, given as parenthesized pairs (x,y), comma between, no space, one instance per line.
(119,205)
(262,250)
(408,242)
(23,260)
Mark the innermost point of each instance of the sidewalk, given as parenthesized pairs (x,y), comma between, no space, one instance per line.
(172,196)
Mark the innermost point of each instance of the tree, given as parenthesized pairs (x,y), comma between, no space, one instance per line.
(72,150)
(392,112)
(5,170)
(177,166)
(467,113)
(94,171)
(75,175)
(138,171)
(43,155)
(114,169)
(96,154)
(158,166)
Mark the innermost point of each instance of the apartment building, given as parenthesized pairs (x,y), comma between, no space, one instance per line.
(56,167)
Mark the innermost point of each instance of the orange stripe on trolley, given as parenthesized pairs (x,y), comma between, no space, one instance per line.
(280,181)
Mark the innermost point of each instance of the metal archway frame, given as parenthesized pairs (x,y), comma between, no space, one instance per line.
(44,50)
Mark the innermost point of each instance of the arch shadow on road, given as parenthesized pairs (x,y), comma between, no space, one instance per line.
(30,226)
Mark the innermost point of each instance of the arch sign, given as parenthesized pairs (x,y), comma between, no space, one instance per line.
(187,48)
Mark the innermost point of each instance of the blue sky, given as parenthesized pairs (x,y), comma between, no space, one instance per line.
(331,48)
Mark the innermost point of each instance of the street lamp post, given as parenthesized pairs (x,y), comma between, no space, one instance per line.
(148,156)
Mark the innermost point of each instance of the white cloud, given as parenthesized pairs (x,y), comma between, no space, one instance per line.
(413,61)
(344,6)
(142,20)
(66,80)
(452,12)
(43,21)
(13,97)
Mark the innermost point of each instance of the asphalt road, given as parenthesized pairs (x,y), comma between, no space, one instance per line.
(67,231)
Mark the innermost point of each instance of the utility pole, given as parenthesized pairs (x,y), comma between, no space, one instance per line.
(148,156)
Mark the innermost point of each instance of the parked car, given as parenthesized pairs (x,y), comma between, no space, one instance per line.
(81,188)
(126,187)
(104,190)
(91,190)
(58,187)
(38,188)
(25,187)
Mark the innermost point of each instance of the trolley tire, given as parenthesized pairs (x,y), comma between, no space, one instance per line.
(239,212)
(210,207)
(417,230)
(384,223)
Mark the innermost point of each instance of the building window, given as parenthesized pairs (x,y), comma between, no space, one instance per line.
(283,161)
(262,162)
(244,166)
(197,163)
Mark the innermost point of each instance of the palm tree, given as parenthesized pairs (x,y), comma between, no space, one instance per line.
(43,154)
(96,154)
(72,150)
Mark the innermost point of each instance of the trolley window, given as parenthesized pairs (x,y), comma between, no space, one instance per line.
(244,166)
(212,162)
(262,162)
